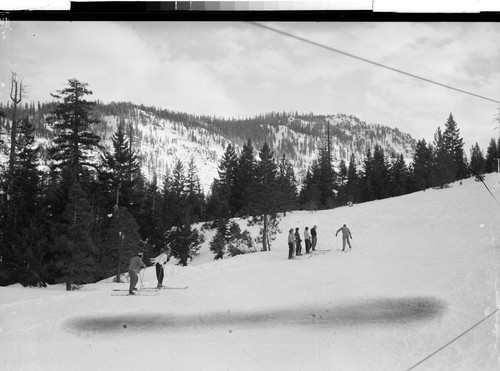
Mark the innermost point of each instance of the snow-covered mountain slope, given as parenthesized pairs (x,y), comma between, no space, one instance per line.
(423,276)
(161,137)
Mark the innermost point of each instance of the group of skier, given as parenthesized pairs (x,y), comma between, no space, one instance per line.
(311,239)
(295,241)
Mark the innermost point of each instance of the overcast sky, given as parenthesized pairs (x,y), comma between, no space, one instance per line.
(240,69)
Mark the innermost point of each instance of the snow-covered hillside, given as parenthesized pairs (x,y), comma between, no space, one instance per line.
(161,138)
(420,284)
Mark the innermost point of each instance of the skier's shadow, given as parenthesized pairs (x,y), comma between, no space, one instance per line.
(368,312)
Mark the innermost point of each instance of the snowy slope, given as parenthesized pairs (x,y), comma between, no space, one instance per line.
(423,270)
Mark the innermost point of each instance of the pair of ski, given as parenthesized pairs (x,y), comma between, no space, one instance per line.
(344,251)
(145,291)
(311,253)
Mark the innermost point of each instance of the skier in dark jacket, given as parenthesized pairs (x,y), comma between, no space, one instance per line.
(136,264)
(298,245)
(314,238)
(291,243)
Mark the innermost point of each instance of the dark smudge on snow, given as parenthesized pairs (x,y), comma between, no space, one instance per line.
(368,312)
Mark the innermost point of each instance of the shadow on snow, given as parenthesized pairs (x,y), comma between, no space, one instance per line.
(369,312)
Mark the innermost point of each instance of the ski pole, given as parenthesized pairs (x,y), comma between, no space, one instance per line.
(142,276)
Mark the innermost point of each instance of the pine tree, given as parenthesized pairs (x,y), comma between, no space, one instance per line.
(245,178)
(287,186)
(454,144)
(73,247)
(216,208)
(122,168)
(122,241)
(326,177)
(227,180)
(178,185)
(398,177)
(444,169)
(195,198)
(185,243)
(422,166)
(21,253)
(352,185)
(492,155)
(477,160)
(309,195)
(375,177)
(218,243)
(342,171)
(150,221)
(72,122)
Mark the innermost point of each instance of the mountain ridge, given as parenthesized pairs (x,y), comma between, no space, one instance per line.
(162,137)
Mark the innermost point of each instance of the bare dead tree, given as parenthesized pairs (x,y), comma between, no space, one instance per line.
(16,95)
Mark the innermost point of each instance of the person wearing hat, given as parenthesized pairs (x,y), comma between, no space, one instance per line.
(314,238)
(346,233)
(136,264)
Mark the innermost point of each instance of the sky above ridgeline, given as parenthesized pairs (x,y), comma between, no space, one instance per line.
(238,69)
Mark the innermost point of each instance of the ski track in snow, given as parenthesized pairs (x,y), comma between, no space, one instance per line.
(422,270)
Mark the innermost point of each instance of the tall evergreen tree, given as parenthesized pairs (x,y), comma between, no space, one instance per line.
(185,243)
(375,177)
(72,122)
(122,168)
(195,198)
(422,166)
(228,168)
(326,177)
(287,186)
(74,250)
(352,184)
(444,169)
(492,155)
(245,178)
(477,160)
(398,177)
(122,241)
(264,201)
(454,146)
(22,236)
(309,195)
(151,223)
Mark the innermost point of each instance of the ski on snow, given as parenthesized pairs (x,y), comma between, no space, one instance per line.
(319,252)
(344,251)
(166,288)
(118,292)
(301,257)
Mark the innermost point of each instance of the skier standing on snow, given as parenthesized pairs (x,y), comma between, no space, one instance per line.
(314,237)
(298,245)
(159,263)
(307,239)
(346,233)
(291,243)
(136,264)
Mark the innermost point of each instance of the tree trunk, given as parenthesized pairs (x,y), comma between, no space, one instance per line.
(264,234)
